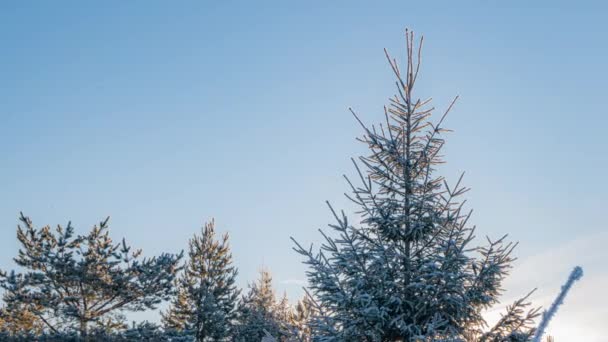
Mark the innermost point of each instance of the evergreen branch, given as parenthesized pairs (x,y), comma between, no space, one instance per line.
(575,275)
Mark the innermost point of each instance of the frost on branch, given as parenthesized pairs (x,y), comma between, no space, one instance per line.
(70,282)
(575,275)
(206,301)
(408,271)
(260,314)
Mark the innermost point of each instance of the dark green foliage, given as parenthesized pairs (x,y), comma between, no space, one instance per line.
(73,281)
(206,300)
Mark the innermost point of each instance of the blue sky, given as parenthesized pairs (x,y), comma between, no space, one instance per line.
(164,116)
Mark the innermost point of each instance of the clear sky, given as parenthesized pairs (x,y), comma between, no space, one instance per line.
(165,115)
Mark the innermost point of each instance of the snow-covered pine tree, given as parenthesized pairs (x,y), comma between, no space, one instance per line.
(17,319)
(258,312)
(294,319)
(283,312)
(407,271)
(299,320)
(146,331)
(207,297)
(71,282)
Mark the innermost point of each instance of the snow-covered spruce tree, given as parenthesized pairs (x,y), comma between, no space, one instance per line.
(146,331)
(260,312)
(293,320)
(299,320)
(408,271)
(207,297)
(283,311)
(71,282)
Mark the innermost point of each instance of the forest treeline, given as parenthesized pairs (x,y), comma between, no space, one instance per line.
(405,267)
(79,287)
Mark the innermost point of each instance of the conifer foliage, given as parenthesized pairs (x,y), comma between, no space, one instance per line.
(260,314)
(71,282)
(299,320)
(407,271)
(16,319)
(207,297)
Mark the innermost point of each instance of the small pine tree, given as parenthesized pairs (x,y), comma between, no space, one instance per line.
(206,301)
(283,312)
(407,271)
(70,282)
(299,320)
(259,312)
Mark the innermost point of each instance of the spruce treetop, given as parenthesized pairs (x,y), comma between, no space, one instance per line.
(207,296)
(407,271)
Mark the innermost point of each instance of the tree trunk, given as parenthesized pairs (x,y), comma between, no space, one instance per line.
(83,330)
